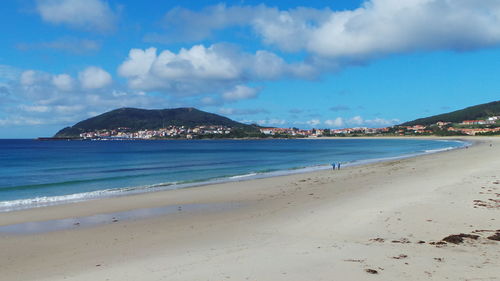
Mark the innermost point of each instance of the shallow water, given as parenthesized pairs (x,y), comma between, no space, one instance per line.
(88,221)
(36,173)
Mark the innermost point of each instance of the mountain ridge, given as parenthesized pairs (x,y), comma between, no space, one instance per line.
(138,119)
(469,113)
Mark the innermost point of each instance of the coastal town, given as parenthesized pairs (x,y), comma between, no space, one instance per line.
(487,126)
(162,133)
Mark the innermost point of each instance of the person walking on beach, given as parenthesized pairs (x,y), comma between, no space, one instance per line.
(333,166)
(338,167)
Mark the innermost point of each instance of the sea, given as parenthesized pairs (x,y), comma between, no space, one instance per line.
(37,173)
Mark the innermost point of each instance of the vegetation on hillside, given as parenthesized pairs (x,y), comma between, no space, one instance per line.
(142,119)
(469,113)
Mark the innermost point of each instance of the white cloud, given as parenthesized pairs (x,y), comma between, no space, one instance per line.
(235,111)
(271,122)
(207,20)
(376,28)
(68,109)
(382,122)
(30,77)
(187,72)
(44,98)
(356,120)
(88,15)
(183,24)
(94,78)
(360,121)
(209,101)
(393,26)
(337,122)
(20,121)
(63,82)
(313,122)
(35,108)
(267,65)
(240,92)
(8,73)
(200,70)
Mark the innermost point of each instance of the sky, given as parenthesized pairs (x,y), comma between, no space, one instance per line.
(306,64)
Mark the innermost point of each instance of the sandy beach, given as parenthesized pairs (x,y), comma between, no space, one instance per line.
(382,221)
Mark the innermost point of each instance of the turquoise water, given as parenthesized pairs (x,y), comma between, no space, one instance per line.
(36,173)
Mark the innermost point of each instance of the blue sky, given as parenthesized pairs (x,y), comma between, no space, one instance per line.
(323,64)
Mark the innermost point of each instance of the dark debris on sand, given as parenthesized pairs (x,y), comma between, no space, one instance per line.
(402,241)
(495,237)
(371,271)
(439,243)
(459,238)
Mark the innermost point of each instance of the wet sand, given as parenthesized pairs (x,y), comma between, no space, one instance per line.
(383,221)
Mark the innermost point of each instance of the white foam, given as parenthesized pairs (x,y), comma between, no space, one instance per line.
(6,206)
(243,176)
(438,150)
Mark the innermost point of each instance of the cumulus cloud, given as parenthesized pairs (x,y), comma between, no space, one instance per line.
(63,82)
(208,100)
(219,68)
(392,26)
(184,73)
(377,28)
(271,122)
(382,122)
(240,92)
(313,122)
(356,120)
(183,24)
(337,122)
(30,77)
(94,78)
(8,73)
(44,98)
(67,44)
(235,111)
(34,108)
(359,121)
(89,15)
(20,121)
(179,22)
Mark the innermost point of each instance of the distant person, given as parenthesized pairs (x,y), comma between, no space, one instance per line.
(338,167)
(333,166)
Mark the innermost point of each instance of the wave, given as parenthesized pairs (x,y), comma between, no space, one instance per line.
(19,204)
(439,149)
(114,192)
(244,176)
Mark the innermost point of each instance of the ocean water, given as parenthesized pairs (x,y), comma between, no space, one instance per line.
(36,173)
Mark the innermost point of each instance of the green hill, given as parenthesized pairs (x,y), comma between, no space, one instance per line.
(469,113)
(137,119)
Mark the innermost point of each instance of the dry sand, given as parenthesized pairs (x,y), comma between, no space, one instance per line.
(382,221)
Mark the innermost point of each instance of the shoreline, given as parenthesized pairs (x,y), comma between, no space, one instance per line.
(268,138)
(324,225)
(40,202)
(99,219)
